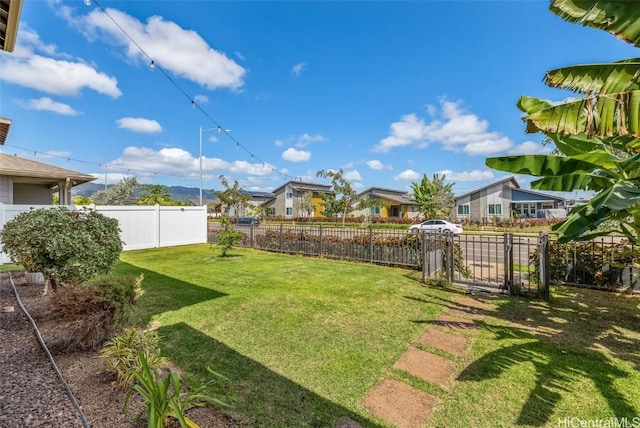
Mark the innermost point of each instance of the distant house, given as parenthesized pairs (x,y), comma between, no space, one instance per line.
(23,181)
(286,199)
(394,203)
(505,199)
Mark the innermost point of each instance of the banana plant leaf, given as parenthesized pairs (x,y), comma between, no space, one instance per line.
(592,79)
(550,165)
(621,196)
(580,220)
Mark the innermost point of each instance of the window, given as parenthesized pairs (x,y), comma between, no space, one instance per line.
(495,209)
(289,211)
(463,209)
(288,195)
(271,212)
(374,210)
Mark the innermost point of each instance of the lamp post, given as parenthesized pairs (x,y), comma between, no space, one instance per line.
(200,159)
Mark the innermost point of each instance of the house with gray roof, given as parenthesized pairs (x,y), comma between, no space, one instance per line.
(286,199)
(506,199)
(394,203)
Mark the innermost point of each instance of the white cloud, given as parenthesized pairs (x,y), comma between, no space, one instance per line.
(279,143)
(352,175)
(201,99)
(298,68)
(408,175)
(182,52)
(47,104)
(452,127)
(377,165)
(293,155)
(148,162)
(530,148)
(475,175)
(139,124)
(51,75)
(306,139)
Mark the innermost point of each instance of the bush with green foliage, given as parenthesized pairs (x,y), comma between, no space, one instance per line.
(120,355)
(89,314)
(228,237)
(170,397)
(65,245)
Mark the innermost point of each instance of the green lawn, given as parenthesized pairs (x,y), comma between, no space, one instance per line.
(305,339)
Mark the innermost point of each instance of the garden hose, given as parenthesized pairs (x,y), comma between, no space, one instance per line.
(72,398)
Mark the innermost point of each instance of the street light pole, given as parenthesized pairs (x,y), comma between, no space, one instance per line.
(200,158)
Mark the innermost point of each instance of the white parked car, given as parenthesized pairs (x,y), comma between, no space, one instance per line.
(441,226)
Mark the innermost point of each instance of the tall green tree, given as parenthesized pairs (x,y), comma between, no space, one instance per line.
(342,199)
(435,198)
(232,196)
(597,135)
(121,193)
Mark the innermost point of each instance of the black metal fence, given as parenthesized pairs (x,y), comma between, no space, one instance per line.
(515,264)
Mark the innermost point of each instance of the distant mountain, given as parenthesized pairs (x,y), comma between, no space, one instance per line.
(178,193)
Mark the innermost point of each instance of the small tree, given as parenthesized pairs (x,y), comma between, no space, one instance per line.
(344,198)
(228,237)
(152,194)
(304,204)
(66,246)
(232,196)
(118,194)
(435,198)
(82,200)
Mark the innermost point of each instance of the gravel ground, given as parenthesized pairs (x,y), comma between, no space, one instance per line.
(32,395)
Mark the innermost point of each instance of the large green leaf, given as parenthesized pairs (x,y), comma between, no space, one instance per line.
(616,114)
(550,165)
(621,196)
(592,79)
(580,220)
(619,17)
(563,183)
(576,144)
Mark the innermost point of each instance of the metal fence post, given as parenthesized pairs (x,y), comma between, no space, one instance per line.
(370,244)
(545,273)
(450,256)
(320,237)
(251,229)
(508,263)
(281,237)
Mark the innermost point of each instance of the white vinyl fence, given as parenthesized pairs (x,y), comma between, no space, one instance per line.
(141,226)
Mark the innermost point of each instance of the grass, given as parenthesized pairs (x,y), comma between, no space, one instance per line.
(304,340)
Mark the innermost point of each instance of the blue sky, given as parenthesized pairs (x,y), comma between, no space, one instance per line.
(387,91)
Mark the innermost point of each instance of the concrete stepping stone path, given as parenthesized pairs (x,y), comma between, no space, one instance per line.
(443,341)
(399,403)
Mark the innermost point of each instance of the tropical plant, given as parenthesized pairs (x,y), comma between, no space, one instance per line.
(169,397)
(436,199)
(65,245)
(232,196)
(120,355)
(342,199)
(152,194)
(597,135)
(121,193)
(82,200)
(228,237)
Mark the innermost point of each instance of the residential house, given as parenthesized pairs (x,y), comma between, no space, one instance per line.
(23,181)
(286,199)
(505,199)
(393,203)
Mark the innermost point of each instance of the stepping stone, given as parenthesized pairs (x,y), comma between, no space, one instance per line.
(399,404)
(444,341)
(454,323)
(477,302)
(466,312)
(427,366)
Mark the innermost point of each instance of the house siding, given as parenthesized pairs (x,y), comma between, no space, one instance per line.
(31,194)
(6,189)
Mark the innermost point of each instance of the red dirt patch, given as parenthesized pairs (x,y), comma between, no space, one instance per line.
(466,312)
(427,366)
(399,404)
(444,341)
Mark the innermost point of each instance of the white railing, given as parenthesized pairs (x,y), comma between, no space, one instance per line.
(141,226)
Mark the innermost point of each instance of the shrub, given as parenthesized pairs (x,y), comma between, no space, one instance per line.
(66,246)
(169,397)
(120,355)
(228,237)
(88,314)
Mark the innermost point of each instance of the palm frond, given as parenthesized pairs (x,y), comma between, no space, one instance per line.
(618,17)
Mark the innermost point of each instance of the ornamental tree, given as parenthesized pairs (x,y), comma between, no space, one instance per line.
(66,246)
